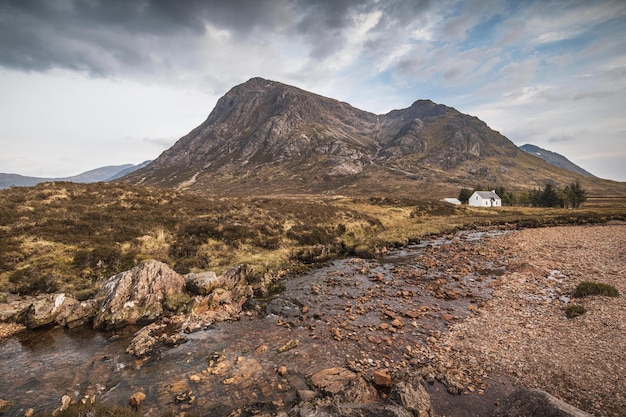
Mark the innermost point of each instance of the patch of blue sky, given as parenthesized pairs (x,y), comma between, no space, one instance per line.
(483,34)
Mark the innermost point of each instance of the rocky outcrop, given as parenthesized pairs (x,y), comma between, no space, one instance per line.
(533,402)
(137,295)
(228,293)
(43,310)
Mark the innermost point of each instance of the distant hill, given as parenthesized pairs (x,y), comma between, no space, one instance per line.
(107,173)
(555,159)
(268,138)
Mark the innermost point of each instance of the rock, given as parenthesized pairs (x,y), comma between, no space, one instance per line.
(78,313)
(65,403)
(137,295)
(291,344)
(223,303)
(344,385)
(284,308)
(412,397)
(30,412)
(282,370)
(306,395)
(534,402)
(5,406)
(381,378)
(43,310)
(202,283)
(152,338)
(137,399)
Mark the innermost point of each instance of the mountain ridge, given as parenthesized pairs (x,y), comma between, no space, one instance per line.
(555,159)
(265,137)
(106,173)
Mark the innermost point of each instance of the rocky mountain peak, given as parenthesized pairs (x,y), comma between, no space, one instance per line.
(265,137)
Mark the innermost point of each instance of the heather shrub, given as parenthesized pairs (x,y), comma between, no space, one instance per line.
(587,288)
(574,310)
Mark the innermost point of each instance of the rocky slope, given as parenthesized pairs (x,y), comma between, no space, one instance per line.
(266,137)
(555,159)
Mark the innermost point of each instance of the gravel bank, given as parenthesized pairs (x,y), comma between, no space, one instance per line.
(523,333)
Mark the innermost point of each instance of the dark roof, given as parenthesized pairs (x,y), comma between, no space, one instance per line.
(488,195)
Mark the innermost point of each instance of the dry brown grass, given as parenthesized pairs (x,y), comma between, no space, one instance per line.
(70,237)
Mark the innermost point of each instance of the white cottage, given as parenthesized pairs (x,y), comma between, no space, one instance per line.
(485,199)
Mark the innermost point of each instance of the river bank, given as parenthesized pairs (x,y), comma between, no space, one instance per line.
(471,314)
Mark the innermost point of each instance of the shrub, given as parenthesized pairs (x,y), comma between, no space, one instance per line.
(587,288)
(177,303)
(574,310)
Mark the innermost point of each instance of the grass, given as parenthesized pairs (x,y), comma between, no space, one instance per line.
(574,310)
(587,288)
(71,237)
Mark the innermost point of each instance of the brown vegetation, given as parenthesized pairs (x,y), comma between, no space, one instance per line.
(69,237)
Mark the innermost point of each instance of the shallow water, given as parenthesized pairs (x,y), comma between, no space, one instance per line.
(347,301)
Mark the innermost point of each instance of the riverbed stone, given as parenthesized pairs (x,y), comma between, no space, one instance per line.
(412,396)
(137,295)
(534,402)
(344,385)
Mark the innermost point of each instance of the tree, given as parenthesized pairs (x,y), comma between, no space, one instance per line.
(574,194)
(464,195)
(549,196)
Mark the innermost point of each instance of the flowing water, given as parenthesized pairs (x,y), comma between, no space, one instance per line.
(336,315)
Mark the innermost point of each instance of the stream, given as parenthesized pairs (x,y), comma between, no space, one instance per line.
(355,313)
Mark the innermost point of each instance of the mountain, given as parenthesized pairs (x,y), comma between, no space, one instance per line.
(107,173)
(555,159)
(264,137)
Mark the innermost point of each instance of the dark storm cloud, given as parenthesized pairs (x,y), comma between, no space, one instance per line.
(100,36)
(106,37)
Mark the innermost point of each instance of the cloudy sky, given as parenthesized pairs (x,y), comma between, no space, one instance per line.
(88,83)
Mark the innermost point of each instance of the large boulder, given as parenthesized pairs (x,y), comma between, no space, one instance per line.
(224,301)
(344,385)
(527,402)
(137,295)
(412,396)
(44,309)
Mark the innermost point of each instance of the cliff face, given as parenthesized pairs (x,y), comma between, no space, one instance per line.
(267,137)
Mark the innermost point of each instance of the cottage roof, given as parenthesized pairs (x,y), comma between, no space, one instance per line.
(488,195)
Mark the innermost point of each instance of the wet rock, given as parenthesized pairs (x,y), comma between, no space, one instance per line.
(283,307)
(137,399)
(223,303)
(43,310)
(137,295)
(344,385)
(78,313)
(534,402)
(5,406)
(65,403)
(152,338)
(306,395)
(291,344)
(413,397)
